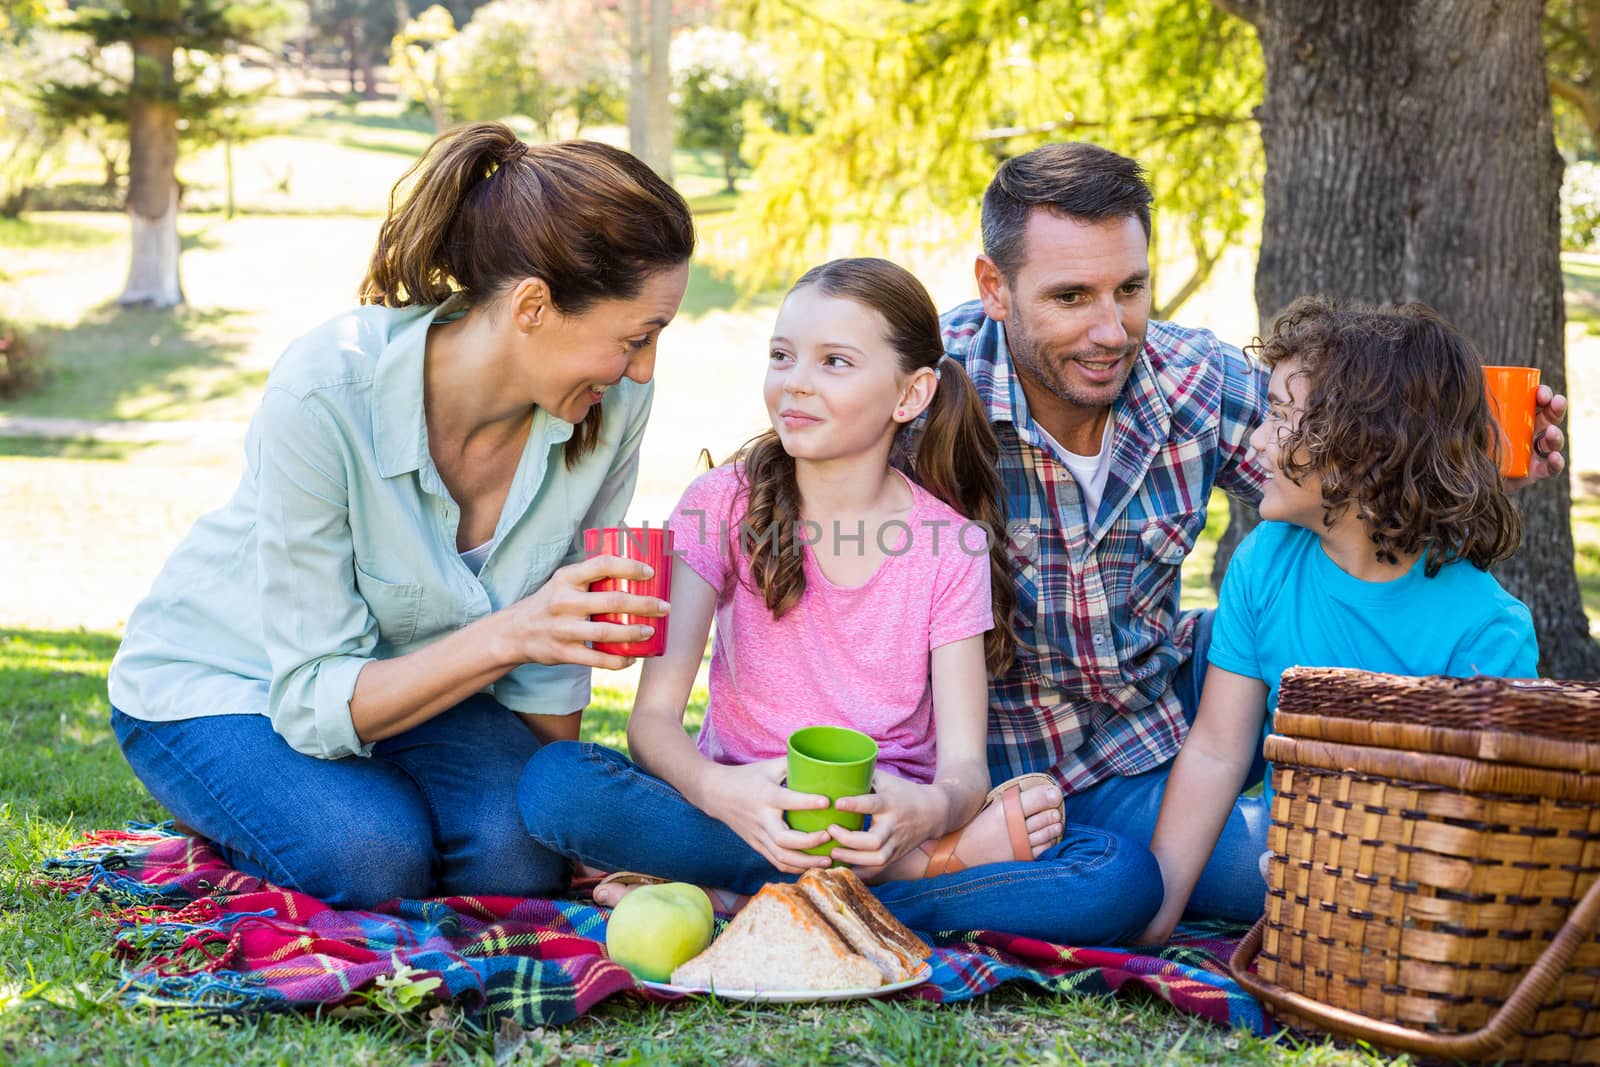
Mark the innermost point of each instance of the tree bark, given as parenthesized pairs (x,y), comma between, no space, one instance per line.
(1410,156)
(152,177)
(638,88)
(660,88)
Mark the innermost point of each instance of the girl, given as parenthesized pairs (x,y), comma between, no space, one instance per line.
(327,676)
(1383,512)
(847,593)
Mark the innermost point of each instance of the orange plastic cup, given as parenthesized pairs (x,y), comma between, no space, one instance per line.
(1512,393)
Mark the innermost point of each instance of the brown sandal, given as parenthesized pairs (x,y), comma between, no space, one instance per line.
(942,858)
(719,897)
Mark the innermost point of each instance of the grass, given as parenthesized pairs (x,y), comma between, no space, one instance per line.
(59,1001)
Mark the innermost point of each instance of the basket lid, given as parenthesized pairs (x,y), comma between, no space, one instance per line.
(1529,722)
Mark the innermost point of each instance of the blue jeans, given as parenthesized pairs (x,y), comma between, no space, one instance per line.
(430,812)
(1230,887)
(591,804)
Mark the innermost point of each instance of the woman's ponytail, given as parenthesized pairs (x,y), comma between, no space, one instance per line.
(411,263)
(955,460)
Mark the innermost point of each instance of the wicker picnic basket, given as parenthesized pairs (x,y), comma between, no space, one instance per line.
(1434,881)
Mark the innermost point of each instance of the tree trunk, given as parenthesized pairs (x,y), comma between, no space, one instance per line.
(152,177)
(1242,518)
(1410,156)
(660,88)
(352,48)
(638,89)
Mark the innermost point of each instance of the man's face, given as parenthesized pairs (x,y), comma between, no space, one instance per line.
(1075,313)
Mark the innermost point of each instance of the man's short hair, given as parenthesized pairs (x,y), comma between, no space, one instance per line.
(1072,178)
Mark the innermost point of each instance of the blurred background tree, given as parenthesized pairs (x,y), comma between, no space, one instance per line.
(721,78)
(153,70)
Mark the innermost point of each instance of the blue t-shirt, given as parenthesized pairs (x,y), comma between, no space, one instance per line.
(1285,604)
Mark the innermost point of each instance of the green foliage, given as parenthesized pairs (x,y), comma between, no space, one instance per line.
(92,98)
(912,107)
(720,78)
(1572,58)
(556,63)
(28,139)
(1580,206)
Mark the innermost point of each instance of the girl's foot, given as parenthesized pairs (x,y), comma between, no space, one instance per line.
(993,835)
(613,889)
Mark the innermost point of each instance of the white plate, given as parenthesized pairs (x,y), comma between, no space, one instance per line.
(796,996)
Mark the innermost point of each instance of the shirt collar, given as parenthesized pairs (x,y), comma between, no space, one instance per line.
(1140,410)
(399,423)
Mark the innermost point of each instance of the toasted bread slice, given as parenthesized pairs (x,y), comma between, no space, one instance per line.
(779,942)
(864,923)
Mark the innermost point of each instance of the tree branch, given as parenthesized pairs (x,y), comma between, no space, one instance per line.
(1193,119)
(1252,11)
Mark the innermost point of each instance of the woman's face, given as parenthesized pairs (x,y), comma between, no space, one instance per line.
(581,356)
(833,381)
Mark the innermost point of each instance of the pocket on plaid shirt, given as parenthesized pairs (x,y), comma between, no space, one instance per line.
(1166,543)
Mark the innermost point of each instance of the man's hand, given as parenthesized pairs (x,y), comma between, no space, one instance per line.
(1548,440)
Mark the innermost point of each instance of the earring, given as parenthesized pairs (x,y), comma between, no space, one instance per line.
(900,413)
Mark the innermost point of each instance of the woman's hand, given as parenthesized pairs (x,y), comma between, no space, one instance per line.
(751,800)
(553,624)
(904,815)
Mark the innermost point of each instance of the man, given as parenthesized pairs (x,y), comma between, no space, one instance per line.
(1113,430)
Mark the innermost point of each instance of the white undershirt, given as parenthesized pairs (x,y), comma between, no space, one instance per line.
(474,557)
(1088,471)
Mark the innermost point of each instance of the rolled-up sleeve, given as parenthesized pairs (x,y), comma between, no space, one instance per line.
(561,689)
(318,631)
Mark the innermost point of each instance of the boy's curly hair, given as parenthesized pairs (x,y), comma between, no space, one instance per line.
(1397,425)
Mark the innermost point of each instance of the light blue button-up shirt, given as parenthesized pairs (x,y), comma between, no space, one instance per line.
(339,545)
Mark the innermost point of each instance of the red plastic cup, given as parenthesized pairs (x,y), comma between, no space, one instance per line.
(1512,394)
(653,546)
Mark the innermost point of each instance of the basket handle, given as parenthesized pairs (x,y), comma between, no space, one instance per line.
(1511,1017)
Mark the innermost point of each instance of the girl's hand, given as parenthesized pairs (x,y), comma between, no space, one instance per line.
(552,624)
(904,815)
(751,800)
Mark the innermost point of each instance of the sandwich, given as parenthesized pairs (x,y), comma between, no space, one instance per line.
(864,923)
(826,932)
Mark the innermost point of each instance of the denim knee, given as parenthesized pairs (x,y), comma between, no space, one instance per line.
(1133,870)
(501,859)
(553,792)
(357,866)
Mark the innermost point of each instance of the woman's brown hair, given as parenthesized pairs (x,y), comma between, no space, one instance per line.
(1396,424)
(953,458)
(481,210)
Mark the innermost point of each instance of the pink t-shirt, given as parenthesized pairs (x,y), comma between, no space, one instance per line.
(855,656)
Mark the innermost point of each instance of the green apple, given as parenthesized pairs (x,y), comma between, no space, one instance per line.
(655,928)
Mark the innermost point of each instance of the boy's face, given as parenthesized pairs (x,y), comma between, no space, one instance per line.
(1282,500)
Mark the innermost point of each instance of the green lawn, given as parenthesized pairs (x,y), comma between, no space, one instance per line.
(59,991)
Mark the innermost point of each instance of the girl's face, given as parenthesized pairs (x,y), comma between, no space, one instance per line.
(834,385)
(1281,499)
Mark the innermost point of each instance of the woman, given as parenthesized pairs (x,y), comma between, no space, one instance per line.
(327,677)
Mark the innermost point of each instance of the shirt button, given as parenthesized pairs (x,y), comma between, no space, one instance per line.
(1099,639)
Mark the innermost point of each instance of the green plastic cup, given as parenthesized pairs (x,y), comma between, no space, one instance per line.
(831,761)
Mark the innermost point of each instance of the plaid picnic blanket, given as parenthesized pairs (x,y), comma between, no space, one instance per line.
(196,933)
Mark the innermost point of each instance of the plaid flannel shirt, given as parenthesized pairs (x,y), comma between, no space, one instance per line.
(1100,637)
